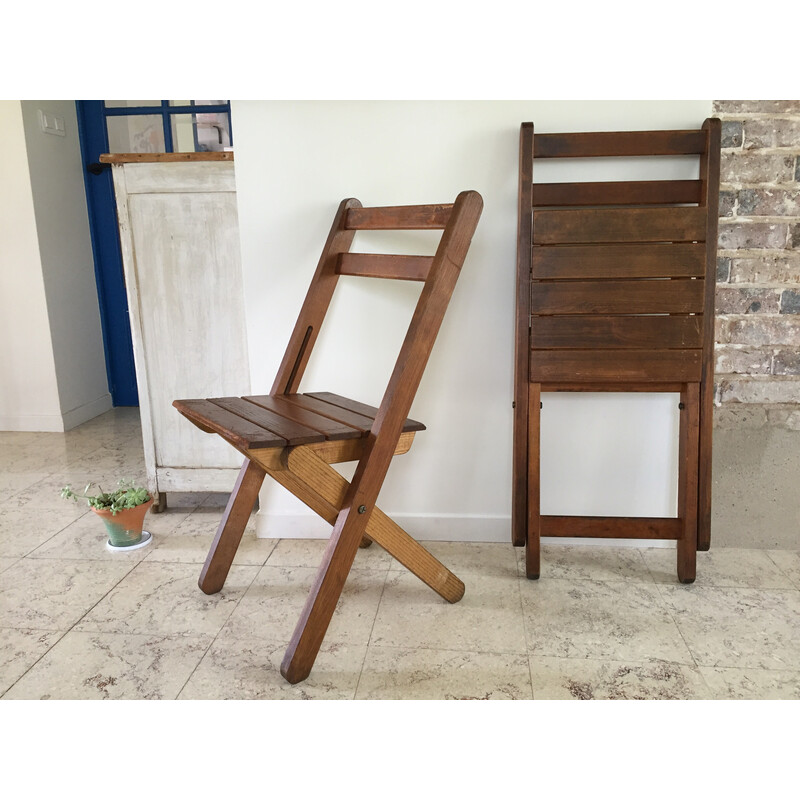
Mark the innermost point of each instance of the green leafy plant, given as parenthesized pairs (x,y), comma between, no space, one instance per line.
(125,496)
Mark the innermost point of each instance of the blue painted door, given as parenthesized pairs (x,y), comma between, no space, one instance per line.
(121,126)
(111,294)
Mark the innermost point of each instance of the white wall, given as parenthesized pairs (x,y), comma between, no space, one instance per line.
(28,387)
(295,161)
(62,223)
(52,366)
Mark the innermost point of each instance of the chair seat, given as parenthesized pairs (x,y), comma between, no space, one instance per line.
(278,421)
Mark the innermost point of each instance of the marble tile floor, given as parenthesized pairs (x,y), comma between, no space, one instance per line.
(80,622)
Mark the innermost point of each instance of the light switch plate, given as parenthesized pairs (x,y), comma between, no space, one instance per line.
(51,123)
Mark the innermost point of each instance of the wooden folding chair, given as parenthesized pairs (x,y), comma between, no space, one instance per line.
(295,437)
(615,292)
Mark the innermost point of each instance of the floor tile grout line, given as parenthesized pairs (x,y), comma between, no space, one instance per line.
(11,686)
(781,569)
(522,577)
(221,627)
(371,631)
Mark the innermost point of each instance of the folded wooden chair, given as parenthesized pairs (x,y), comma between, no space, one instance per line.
(615,292)
(295,437)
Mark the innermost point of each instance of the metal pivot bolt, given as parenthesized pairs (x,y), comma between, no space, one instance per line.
(362,509)
(681,406)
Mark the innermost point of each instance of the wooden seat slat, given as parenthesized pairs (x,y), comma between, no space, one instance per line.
(329,428)
(617,332)
(293,432)
(361,408)
(586,366)
(677,296)
(599,225)
(664,260)
(241,432)
(613,193)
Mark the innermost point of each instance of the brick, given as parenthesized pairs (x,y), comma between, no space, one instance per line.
(759,329)
(786,362)
(756,106)
(753,236)
(771,133)
(790,301)
(753,390)
(769,268)
(768,203)
(727,200)
(747,301)
(753,167)
(732,133)
(783,416)
(723,269)
(745,360)
(795,237)
(739,417)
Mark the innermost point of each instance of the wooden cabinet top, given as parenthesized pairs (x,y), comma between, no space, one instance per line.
(153,158)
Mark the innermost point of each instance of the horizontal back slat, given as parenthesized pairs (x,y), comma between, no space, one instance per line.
(613,193)
(399,217)
(398,267)
(237,430)
(618,297)
(578,366)
(623,143)
(619,261)
(659,332)
(577,226)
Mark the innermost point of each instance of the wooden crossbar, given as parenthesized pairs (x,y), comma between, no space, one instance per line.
(390,218)
(398,267)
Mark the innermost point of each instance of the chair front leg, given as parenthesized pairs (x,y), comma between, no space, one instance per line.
(231,527)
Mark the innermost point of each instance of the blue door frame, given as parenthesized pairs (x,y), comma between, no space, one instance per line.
(104,229)
(114,314)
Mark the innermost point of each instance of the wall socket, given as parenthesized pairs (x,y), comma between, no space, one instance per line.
(51,123)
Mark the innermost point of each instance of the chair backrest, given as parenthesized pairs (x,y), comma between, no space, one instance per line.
(617,278)
(438,272)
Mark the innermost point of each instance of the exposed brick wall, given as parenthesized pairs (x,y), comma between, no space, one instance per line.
(758,265)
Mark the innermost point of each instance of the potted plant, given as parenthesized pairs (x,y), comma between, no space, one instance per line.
(122,511)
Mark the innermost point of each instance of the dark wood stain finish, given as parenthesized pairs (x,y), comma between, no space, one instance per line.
(615,292)
(278,432)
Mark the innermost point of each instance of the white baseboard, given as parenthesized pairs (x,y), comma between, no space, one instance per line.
(430,528)
(32,423)
(83,413)
(56,423)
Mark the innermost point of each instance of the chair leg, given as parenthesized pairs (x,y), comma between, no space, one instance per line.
(532,542)
(688,481)
(323,597)
(234,521)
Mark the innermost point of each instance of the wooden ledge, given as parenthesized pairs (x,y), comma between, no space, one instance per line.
(154,158)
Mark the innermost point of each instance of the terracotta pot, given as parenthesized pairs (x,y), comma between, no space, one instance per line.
(125,527)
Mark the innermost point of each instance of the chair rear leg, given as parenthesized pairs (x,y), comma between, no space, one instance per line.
(688,482)
(234,521)
(532,542)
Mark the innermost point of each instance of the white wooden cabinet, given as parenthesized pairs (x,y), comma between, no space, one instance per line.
(180,250)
